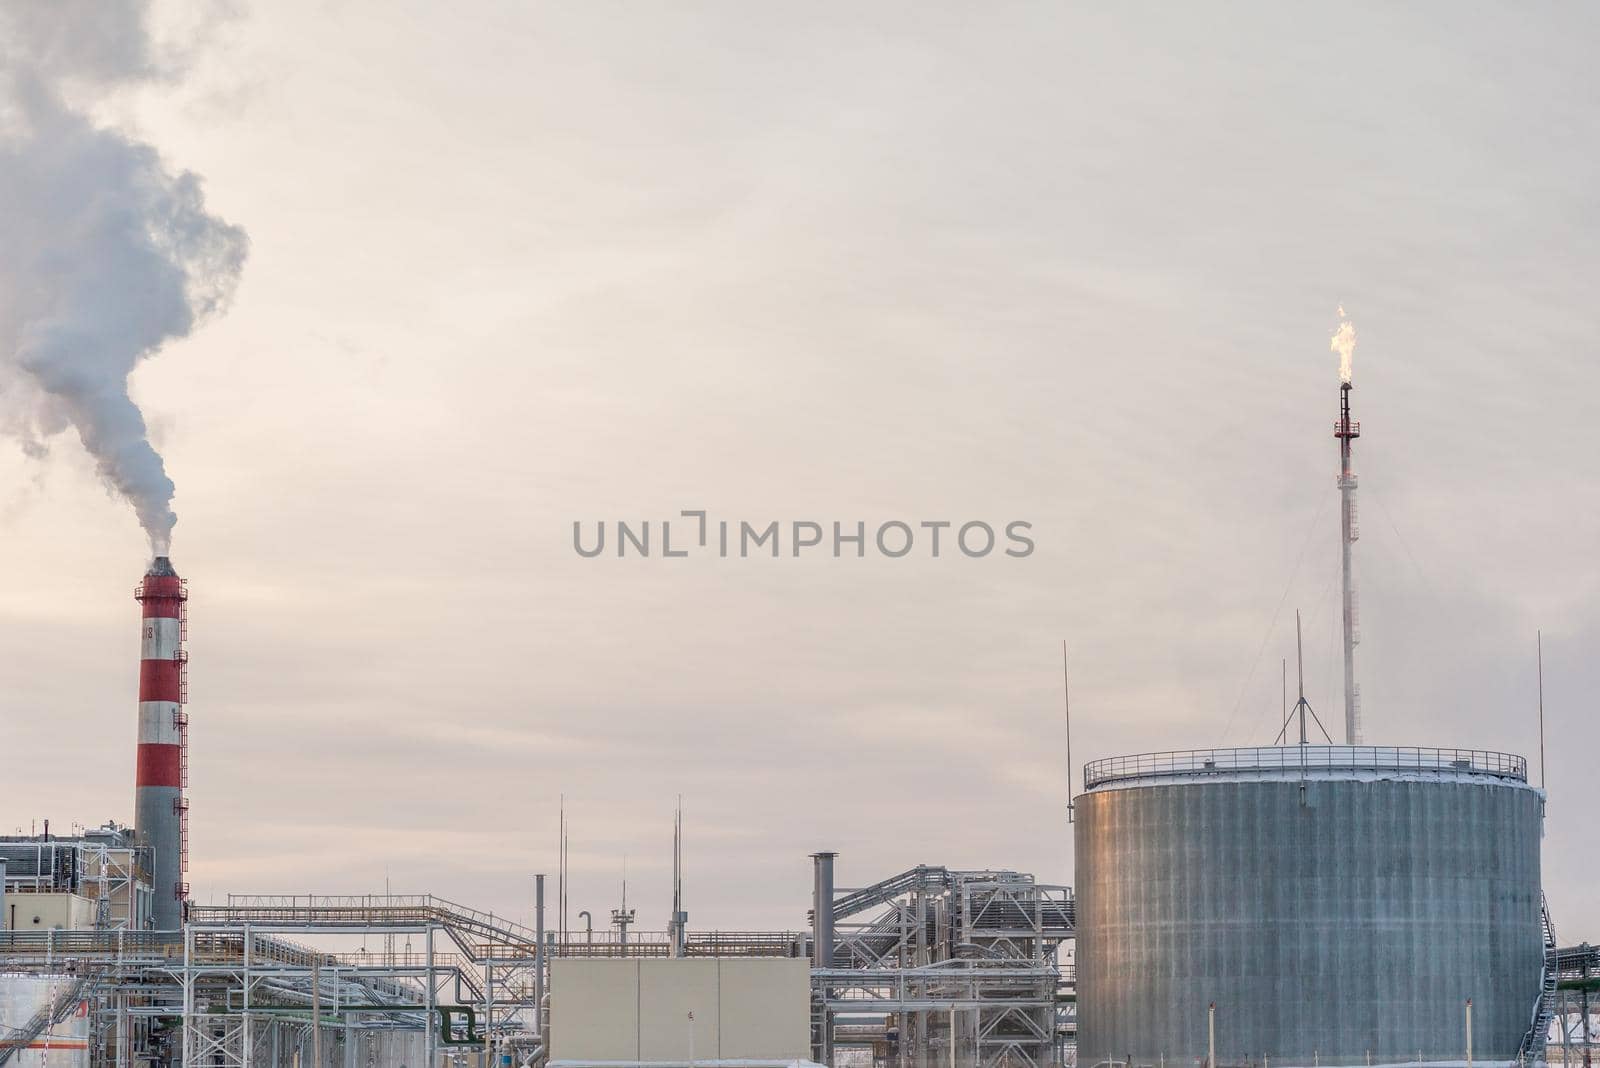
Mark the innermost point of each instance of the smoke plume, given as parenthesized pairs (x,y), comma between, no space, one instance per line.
(1344,343)
(106,254)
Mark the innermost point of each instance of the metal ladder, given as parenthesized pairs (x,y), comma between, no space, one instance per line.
(1532,1048)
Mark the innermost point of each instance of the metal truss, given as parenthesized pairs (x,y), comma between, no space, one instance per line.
(929,962)
(1576,971)
(935,966)
(492,971)
(226,995)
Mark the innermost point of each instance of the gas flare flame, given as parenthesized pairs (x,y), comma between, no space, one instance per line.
(1344,343)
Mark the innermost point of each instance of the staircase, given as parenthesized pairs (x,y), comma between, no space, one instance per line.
(1544,1009)
(881,893)
(55,1010)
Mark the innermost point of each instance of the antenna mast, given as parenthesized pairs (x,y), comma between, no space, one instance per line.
(623,918)
(1066,693)
(1539,637)
(680,918)
(561,868)
(1302,707)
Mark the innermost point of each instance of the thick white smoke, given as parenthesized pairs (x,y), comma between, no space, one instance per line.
(105,253)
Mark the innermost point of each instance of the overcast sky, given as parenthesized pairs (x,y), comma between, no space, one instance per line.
(515,265)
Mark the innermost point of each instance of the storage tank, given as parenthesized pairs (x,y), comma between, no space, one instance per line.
(1337,904)
(44,1021)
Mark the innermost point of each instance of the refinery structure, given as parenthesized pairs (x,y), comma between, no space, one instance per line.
(1296,905)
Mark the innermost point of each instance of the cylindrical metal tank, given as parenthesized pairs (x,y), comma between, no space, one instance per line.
(1337,904)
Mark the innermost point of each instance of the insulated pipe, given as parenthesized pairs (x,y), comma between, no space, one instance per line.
(822,945)
(158,795)
(822,910)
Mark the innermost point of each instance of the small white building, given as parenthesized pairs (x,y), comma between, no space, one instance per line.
(696,1010)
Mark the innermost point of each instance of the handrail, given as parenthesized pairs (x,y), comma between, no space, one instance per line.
(886,890)
(1305,758)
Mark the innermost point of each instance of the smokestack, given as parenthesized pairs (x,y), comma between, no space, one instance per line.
(161,814)
(1346,430)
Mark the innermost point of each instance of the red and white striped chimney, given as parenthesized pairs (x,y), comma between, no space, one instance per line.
(161,819)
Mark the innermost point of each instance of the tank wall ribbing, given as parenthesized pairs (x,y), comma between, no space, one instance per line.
(1358,916)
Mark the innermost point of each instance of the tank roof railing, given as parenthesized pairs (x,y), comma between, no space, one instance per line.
(1321,758)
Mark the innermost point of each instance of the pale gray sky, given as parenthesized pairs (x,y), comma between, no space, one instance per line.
(513,265)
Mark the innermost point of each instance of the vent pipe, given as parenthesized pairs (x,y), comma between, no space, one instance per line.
(822,911)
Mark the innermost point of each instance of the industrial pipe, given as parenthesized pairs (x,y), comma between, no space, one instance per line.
(822,943)
(822,910)
(538,952)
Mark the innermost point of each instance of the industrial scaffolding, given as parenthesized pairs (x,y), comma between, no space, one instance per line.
(1573,978)
(234,987)
(935,966)
(925,965)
